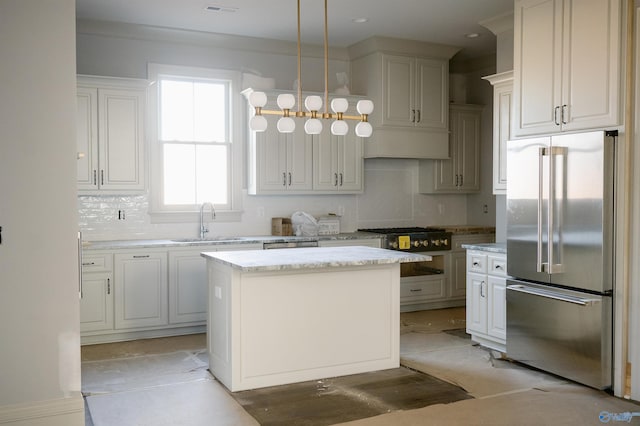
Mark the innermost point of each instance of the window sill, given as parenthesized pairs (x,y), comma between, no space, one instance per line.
(194,217)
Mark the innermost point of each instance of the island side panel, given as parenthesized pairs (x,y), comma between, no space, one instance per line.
(310,324)
(219,320)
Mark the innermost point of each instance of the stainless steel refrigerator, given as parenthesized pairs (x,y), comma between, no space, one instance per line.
(560,253)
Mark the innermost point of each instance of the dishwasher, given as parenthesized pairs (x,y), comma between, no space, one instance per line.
(289,244)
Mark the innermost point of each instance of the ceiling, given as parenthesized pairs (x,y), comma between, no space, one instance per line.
(437,21)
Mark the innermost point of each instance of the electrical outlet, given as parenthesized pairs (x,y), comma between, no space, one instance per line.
(260,211)
(485,209)
(440,209)
(121,215)
(340,210)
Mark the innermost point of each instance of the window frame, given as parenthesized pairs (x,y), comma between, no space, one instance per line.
(161,213)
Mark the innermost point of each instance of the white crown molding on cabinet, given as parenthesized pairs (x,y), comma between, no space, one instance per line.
(499,24)
(401,46)
(201,38)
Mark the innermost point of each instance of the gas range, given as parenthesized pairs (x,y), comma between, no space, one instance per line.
(414,239)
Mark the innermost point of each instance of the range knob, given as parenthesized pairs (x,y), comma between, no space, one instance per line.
(435,243)
(416,243)
(393,244)
(425,243)
(445,242)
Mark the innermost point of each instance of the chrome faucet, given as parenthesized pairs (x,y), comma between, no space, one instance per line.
(203,228)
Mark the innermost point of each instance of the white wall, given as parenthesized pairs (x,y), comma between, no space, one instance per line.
(39,310)
(390,197)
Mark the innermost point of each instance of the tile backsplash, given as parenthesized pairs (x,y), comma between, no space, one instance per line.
(390,199)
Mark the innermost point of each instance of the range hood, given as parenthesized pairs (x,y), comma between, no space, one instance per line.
(407,143)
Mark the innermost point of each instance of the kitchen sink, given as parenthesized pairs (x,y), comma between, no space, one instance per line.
(206,240)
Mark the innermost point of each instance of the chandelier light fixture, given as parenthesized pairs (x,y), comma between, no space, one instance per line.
(313,104)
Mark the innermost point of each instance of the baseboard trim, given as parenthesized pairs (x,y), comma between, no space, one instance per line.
(63,412)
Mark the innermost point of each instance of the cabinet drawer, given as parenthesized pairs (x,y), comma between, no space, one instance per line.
(420,289)
(497,266)
(97,263)
(476,262)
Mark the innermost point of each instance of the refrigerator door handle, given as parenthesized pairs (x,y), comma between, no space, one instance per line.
(539,264)
(553,295)
(552,266)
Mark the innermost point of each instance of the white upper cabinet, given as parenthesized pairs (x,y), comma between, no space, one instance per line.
(415,92)
(337,163)
(110,134)
(408,82)
(461,172)
(297,163)
(502,120)
(566,65)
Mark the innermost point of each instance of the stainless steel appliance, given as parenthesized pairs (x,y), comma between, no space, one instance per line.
(560,217)
(420,282)
(414,239)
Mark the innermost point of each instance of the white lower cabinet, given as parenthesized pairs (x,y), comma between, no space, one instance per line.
(486,298)
(188,282)
(96,302)
(141,289)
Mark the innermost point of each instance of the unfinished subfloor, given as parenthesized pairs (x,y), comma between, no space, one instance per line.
(166,382)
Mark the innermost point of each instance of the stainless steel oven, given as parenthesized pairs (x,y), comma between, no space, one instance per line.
(420,282)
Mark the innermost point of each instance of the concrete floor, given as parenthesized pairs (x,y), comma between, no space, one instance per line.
(166,382)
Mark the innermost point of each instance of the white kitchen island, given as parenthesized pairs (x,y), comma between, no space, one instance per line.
(290,315)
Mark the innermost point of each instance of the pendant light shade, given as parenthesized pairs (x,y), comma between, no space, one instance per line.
(313,126)
(364,129)
(339,128)
(286,125)
(258,123)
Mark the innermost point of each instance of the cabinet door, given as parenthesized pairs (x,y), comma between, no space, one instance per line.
(87,137)
(458,269)
(399,90)
(325,161)
(432,93)
(299,160)
(476,303)
(350,162)
(141,290)
(96,304)
(502,111)
(187,287)
(537,66)
(271,161)
(121,133)
(468,151)
(497,307)
(462,171)
(591,64)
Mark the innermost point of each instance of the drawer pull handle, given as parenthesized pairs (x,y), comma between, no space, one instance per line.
(499,267)
(140,256)
(482,284)
(108,286)
(476,263)
(88,263)
(415,290)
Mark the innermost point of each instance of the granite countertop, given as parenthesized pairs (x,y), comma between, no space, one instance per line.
(469,229)
(489,247)
(222,240)
(308,258)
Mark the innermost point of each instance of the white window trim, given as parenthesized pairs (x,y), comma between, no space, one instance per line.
(156,212)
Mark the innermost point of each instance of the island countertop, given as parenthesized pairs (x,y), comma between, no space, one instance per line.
(308,258)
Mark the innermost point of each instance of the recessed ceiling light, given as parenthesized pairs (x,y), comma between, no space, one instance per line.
(472,35)
(218,8)
(360,20)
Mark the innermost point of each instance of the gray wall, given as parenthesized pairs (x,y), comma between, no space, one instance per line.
(39,310)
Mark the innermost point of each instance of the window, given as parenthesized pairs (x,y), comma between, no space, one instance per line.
(194,148)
